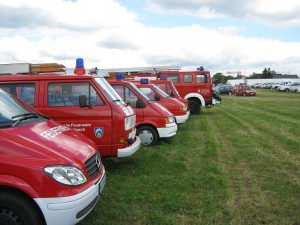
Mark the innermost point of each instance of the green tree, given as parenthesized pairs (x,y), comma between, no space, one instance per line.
(267,73)
(222,78)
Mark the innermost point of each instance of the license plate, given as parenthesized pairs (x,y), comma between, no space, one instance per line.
(102,184)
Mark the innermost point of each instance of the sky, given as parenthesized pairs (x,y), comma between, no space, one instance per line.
(224,36)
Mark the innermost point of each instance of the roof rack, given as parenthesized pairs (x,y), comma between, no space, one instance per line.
(148,69)
(27,68)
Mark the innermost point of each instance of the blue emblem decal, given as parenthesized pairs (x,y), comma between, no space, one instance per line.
(99,132)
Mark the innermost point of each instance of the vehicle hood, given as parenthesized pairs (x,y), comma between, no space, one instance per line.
(47,143)
(159,108)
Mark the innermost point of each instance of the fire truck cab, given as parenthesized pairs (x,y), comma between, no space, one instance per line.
(82,102)
(49,173)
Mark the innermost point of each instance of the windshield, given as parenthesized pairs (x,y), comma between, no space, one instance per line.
(140,92)
(13,111)
(161,92)
(109,91)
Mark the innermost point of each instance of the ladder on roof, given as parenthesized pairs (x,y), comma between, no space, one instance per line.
(149,69)
(27,68)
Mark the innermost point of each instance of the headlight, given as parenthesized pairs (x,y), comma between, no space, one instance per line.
(183,108)
(129,122)
(68,175)
(169,119)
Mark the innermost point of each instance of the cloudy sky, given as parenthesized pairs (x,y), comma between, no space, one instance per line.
(222,35)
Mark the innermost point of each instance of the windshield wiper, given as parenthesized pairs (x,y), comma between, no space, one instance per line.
(26,116)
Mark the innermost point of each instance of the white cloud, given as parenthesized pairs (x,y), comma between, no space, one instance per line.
(107,35)
(271,12)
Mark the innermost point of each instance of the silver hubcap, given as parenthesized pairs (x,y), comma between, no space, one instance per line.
(146,137)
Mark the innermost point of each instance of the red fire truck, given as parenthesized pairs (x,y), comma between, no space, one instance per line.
(195,86)
(49,173)
(80,101)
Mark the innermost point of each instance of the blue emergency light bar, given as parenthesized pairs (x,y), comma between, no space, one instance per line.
(119,76)
(79,63)
(201,68)
(144,81)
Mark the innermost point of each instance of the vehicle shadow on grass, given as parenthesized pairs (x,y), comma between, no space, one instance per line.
(117,165)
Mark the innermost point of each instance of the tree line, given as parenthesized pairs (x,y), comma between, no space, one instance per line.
(266,73)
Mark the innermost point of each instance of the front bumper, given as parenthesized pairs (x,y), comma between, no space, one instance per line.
(182,119)
(128,151)
(168,131)
(71,209)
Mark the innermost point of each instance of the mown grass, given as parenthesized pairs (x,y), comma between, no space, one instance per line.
(237,163)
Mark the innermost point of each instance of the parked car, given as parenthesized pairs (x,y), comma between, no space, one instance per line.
(243,90)
(294,87)
(224,89)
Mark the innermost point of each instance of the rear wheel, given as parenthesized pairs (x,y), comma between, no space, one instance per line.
(148,135)
(17,209)
(195,107)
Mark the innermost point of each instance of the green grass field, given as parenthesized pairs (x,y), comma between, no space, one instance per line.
(236,163)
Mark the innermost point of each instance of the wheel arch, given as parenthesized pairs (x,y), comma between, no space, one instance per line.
(17,192)
(195,96)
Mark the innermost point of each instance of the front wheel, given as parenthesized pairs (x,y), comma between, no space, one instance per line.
(17,209)
(195,107)
(148,135)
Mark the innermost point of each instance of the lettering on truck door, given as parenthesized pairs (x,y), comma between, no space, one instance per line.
(61,102)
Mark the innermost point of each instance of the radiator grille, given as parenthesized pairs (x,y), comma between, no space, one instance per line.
(93,165)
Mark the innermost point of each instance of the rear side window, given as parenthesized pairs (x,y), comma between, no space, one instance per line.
(173,78)
(201,78)
(25,92)
(67,94)
(187,78)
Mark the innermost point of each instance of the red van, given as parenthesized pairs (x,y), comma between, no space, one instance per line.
(177,108)
(153,120)
(84,103)
(49,173)
(168,87)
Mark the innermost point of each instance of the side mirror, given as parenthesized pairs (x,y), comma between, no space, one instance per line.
(83,101)
(139,104)
(156,97)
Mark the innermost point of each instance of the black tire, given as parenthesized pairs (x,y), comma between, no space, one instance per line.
(148,135)
(194,106)
(18,209)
